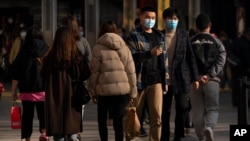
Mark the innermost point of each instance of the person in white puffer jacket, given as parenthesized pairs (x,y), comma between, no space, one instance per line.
(113,79)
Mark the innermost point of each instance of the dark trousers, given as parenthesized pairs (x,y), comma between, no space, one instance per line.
(118,103)
(181,107)
(28,108)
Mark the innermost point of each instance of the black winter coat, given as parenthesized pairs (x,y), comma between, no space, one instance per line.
(26,67)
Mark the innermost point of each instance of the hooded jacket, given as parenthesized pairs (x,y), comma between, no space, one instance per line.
(26,67)
(112,68)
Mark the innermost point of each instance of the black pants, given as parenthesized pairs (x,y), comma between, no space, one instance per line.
(181,107)
(28,115)
(118,104)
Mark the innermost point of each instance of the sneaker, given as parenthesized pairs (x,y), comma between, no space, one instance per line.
(79,137)
(208,132)
(43,137)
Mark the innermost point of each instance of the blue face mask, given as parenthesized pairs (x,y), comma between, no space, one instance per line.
(149,23)
(171,24)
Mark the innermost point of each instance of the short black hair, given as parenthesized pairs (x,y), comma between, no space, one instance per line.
(169,12)
(137,22)
(202,21)
(148,8)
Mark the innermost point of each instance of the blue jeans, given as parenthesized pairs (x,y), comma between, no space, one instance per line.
(205,106)
(63,137)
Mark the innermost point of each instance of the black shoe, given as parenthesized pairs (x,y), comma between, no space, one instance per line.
(177,139)
(143,133)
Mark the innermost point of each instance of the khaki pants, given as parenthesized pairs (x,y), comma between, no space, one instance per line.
(153,96)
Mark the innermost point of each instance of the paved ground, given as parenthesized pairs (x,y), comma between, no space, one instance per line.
(228,116)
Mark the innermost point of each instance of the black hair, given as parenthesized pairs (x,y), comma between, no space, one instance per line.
(148,8)
(202,22)
(137,22)
(169,12)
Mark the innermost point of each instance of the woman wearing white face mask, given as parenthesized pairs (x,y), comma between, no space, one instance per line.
(182,70)
(16,45)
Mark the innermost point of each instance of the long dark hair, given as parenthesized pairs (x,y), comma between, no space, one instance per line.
(34,32)
(71,22)
(64,51)
(107,27)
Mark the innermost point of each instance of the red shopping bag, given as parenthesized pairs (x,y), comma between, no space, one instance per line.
(15,116)
(1,88)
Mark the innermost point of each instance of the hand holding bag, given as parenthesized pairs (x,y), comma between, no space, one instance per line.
(15,116)
(131,123)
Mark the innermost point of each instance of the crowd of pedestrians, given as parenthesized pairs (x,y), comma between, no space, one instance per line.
(147,68)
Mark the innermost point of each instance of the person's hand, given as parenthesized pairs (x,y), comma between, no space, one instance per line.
(156,51)
(132,101)
(14,96)
(204,79)
(196,85)
(166,88)
(94,98)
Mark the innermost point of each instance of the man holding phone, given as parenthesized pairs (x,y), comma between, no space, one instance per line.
(152,74)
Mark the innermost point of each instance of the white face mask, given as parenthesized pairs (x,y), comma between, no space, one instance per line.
(10,20)
(23,34)
(82,33)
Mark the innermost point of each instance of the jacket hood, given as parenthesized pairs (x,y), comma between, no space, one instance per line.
(37,48)
(112,41)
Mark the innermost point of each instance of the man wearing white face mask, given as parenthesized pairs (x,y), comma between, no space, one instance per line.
(152,75)
(182,70)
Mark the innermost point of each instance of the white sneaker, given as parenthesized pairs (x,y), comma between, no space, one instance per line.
(208,132)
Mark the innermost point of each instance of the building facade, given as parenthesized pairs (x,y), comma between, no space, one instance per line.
(226,15)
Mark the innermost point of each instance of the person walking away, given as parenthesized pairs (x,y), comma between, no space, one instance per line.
(27,80)
(182,70)
(152,75)
(81,43)
(62,65)
(113,79)
(210,57)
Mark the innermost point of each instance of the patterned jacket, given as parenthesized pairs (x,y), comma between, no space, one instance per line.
(141,52)
(184,68)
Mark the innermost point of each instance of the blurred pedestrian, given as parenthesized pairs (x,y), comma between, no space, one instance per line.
(17,43)
(241,62)
(182,71)
(113,79)
(27,80)
(152,74)
(210,56)
(226,79)
(63,62)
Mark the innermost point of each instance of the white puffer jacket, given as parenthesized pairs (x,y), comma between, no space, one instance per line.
(112,68)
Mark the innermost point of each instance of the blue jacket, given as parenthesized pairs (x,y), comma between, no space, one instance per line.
(141,52)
